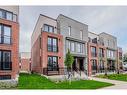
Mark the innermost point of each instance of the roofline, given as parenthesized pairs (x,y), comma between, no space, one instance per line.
(71,19)
(108,34)
(93,33)
(47,17)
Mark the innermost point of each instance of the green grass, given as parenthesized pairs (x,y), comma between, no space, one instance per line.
(34,81)
(120,77)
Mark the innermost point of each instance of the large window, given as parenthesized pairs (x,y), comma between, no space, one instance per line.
(48,28)
(52,44)
(5,60)
(52,63)
(72,46)
(79,47)
(93,52)
(8,15)
(94,64)
(101,65)
(5,34)
(110,54)
(101,52)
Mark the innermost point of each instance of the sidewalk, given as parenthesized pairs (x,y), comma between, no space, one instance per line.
(117,84)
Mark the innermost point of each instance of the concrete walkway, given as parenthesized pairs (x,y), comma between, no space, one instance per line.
(117,84)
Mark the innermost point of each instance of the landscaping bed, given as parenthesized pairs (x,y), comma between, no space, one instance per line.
(34,81)
(120,77)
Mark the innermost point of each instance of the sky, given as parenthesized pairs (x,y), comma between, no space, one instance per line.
(109,19)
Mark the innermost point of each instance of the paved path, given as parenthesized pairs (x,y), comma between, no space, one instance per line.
(118,84)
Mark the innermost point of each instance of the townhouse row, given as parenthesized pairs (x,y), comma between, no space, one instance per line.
(50,41)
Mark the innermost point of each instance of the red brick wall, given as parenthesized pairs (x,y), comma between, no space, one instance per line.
(25,65)
(89,45)
(14,47)
(39,64)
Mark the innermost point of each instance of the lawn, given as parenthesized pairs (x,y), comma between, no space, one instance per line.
(121,77)
(34,81)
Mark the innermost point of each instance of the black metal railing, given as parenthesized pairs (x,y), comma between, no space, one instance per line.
(52,48)
(5,65)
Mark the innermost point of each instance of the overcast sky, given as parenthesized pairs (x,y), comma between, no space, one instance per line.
(112,20)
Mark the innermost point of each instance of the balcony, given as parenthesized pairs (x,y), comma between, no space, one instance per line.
(52,48)
(5,65)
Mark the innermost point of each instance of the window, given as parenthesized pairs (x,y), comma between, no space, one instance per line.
(14,17)
(72,46)
(52,63)
(48,28)
(69,30)
(101,52)
(9,15)
(52,44)
(94,65)
(93,51)
(5,60)
(81,35)
(101,65)
(5,34)
(79,47)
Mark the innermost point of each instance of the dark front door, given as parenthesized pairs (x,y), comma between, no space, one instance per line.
(74,65)
(81,66)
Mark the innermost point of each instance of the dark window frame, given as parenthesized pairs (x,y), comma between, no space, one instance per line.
(51,65)
(48,28)
(5,77)
(4,15)
(51,45)
(2,63)
(3,37)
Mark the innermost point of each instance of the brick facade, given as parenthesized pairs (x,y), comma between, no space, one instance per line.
(13,47)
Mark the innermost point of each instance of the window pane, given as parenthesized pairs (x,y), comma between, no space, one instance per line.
(72,46)
(46,28)
(0,14)
(50,29)
(54,45)
(49,44)
(14,17)
(7,34)
(69,45)
(78,48)
(8,16)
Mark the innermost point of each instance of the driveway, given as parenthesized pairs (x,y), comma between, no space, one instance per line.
(117,84)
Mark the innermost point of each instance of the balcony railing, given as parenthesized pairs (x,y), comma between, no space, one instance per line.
(5,65)
(52,48)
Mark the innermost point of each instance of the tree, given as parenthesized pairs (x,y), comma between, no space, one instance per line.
(68,62)
(125,58)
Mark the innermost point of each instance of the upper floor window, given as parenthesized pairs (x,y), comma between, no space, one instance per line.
(81,35)
(8,15)
(93,51)
(5,34)
(79,48)
(69,30)
(52,44)
(48,28)
(72,46)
